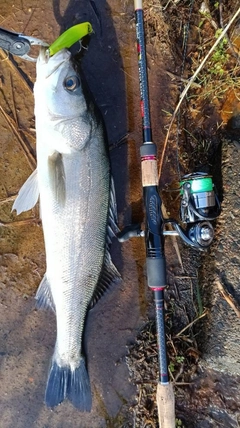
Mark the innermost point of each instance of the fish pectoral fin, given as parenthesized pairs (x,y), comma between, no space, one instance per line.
(27,195)
(74,384)
(109,275)
(57,177)
(44,296)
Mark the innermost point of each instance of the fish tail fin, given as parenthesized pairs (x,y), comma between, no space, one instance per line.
(63,382)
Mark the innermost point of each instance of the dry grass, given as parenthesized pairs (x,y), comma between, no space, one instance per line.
(217,49)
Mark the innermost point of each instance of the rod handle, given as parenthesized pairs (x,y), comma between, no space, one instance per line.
(149,164)
(149,173)
(166,405)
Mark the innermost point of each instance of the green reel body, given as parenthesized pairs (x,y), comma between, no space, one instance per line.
(199,205)
(198,198)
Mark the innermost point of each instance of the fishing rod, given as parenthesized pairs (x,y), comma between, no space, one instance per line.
(199,205)
(154,239)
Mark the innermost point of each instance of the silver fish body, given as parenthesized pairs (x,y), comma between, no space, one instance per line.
(78,216)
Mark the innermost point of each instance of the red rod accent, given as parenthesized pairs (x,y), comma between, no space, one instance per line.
(149,157)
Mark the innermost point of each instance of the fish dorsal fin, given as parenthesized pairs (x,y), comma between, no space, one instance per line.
(44,296)
(57,177)
(27,195)
(109,273)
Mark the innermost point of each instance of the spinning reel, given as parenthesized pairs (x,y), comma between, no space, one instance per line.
(199,206)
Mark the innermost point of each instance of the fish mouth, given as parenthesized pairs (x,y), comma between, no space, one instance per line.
(56,67)
(44,58)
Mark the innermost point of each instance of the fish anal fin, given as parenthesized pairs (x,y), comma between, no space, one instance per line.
(109,275)
(57,177)
(27,195)
(44,299)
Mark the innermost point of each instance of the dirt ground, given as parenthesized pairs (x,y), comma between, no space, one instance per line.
(202,297)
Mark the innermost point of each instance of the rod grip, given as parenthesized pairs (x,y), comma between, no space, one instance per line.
(166,406)
(149,164)
(149,173)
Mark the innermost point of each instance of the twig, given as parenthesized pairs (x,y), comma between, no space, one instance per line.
(29,19)
(29,134)
(169,1)
(171,375)
(192,296)
(27,151)
(8,199)
(191,80)
(31,220)
(13,101)
(222,26)
(229,299)
(180,372)
(181,79)
(185,277)
(182,383)
(191,323)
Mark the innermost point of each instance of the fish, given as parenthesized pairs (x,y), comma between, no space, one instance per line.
(78,210)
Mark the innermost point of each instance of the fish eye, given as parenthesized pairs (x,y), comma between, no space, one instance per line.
(71,83)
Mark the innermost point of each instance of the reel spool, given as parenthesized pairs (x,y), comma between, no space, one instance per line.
(199,201)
